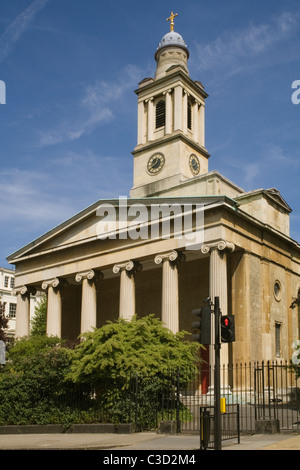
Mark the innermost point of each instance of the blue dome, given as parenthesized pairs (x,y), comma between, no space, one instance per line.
(172,39)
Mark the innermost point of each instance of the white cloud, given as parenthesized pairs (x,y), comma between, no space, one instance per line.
(276,155)
(235,49)
(97,105)
(271,159)
(14,31)
(24,197)
(62,187)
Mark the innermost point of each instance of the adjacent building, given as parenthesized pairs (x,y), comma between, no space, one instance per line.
(9,299)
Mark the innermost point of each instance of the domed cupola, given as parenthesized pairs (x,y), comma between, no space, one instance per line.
(172,50)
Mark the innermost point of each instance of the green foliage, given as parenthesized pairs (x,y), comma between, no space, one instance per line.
(39,321)
(114,375)
(142,346)
(32,380)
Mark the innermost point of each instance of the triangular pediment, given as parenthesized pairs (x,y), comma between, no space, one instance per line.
(78,228)
(272,194)
(101,221)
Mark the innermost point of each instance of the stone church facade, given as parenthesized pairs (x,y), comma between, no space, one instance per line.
(122,257)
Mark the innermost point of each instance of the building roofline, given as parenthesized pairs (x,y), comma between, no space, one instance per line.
(207,200)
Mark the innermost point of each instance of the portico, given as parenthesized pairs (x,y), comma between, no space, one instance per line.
(171,268)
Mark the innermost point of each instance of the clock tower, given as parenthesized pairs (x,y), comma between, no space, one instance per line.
(171,115)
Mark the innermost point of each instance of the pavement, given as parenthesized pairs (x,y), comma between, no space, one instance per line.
(144,441)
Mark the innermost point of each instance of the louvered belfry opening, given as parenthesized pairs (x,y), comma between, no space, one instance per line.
(160,114)
(189,115)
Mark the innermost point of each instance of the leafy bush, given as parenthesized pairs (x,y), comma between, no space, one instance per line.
(32,380)
(142,346)
(113,375)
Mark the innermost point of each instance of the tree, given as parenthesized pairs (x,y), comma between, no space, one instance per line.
(32,383)
(39,321)
(133,368)
(140,346)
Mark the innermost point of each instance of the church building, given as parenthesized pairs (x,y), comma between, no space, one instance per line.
(185,234)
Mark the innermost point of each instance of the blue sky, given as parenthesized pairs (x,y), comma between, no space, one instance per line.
(69,123)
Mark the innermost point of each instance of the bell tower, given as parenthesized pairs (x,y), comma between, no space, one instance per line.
(171,122)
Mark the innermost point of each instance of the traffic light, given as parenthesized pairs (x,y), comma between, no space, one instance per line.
(227,329)
(203,325)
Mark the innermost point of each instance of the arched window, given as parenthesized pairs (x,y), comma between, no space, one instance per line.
(160,116)
(189,115)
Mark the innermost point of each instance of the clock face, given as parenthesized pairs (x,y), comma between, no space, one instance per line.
(155,163)
(194,164)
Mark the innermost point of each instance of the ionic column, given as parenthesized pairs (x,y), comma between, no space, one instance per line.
(88,299)
(53,306)
(170,296)
(169,113)
(127,288)
(218,286)
(23,310)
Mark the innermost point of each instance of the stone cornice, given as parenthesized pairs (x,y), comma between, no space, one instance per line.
(171,78)
(176,135)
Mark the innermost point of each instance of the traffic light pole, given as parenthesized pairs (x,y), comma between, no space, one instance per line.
(217,411)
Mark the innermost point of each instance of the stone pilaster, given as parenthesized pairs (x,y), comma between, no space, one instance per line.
(88,299)
(150,125)
(54,306)
(23,310)
(169,112)
(196,106)
(178,108)
(201,137)
(127,287)
(170,294)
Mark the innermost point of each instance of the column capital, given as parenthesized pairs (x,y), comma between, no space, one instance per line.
(174,256)
(168,92)
(24,290)
(220,245)
(130,266)
(91,275)
(55,282)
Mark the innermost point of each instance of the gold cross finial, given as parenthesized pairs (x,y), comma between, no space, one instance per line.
(172,16)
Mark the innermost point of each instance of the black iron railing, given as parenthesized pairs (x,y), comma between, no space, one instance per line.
(262,391)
